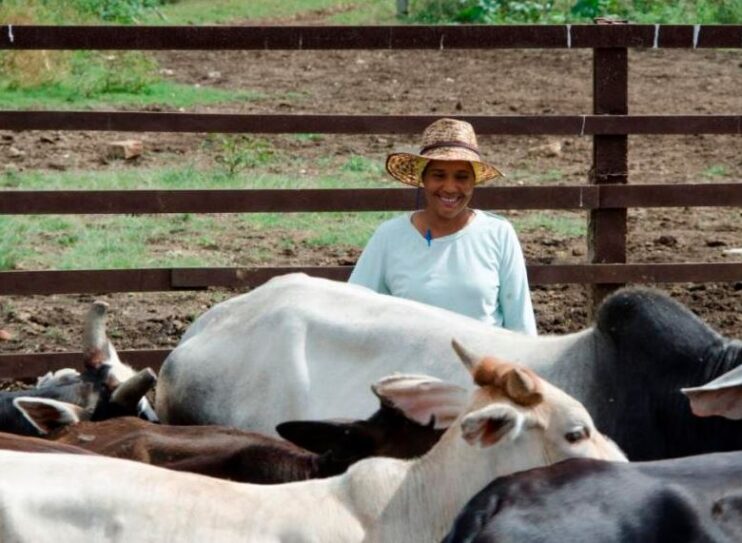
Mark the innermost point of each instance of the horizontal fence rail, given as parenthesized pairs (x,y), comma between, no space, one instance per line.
(567,125)
(166,279)
(367,37)
(31,365)
(577,197)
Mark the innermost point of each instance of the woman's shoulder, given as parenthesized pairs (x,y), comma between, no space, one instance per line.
(493,222)
(394,225)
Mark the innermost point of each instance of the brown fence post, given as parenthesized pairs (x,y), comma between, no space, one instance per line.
(607,227)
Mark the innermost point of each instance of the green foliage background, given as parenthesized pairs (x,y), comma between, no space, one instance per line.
(568,11)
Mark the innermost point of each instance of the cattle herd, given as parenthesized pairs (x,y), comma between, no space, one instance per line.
(311,410)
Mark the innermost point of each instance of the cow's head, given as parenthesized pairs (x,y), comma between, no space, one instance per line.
(388,432)
(513,404)
(106,388)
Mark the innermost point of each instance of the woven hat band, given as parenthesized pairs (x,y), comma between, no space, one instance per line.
(440,144)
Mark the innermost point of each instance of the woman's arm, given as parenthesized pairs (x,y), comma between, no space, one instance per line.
(514,296)
(370,268)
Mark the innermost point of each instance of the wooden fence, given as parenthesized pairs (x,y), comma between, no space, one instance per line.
(606,195)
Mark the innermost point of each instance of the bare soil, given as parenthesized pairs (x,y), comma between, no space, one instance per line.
(429,82)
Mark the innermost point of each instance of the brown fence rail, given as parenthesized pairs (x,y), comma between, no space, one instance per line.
(368,37)
(605,197)
(165,279)
(579,197)
(567,125)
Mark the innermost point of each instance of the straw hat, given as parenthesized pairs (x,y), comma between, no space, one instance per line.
(445,139)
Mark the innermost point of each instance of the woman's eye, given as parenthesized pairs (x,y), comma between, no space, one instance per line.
(578,434)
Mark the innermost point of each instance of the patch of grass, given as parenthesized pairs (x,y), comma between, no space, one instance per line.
(223,11)
(131,241)
(7,310)
(561,11)
(309,137)
(550,175)
(716,170)
(65,96)
(14,243)
(54,333)
(528,176)
(563,225)
(350,229)
(190,177)
(322,229)
(370,12)
(237,153)
(359,163)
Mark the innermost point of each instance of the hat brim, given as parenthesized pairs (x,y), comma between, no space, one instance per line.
(408,167)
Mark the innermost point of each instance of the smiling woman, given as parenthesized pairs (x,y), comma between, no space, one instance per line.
(447,254)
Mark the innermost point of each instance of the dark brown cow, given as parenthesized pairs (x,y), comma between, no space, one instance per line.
(14,442)
(247,456)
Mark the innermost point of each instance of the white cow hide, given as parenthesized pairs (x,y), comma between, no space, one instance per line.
(306,348)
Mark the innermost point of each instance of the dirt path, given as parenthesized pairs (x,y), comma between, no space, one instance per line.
(439,82)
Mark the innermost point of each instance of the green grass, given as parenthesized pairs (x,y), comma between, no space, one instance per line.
(225,11)
(576,11)
(565,225)
(321,229)
(716,170)
(132,241)
(137,241)
(65,96)
(536,177)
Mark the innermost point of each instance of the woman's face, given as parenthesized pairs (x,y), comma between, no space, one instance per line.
(448,186)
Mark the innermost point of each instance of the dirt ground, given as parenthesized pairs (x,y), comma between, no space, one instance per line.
(431,82)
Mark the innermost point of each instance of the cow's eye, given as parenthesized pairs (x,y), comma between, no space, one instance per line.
(577,434)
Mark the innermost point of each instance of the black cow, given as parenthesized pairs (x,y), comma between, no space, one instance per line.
(656,347)
(682,500)
(697,499)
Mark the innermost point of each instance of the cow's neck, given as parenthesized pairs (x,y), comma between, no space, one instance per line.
(420,499)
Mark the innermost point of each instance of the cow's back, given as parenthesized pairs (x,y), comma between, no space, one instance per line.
(307,348)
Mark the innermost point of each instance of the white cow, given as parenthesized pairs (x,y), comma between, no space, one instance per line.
(306,348)
(514,421)
(303,348)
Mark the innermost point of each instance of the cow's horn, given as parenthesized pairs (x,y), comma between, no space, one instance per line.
(467,357)
(94,337)
(128,393)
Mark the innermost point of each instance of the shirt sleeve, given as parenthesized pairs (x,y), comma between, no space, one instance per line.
(515,297)
(371,266)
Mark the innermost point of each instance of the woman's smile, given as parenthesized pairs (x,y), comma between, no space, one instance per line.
(448,187)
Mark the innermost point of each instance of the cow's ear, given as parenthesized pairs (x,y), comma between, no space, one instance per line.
(489,425)
(722,396)
(46,414)
(318,436)
(422,399)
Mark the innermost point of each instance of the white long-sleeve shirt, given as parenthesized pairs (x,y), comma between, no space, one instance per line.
(478,271)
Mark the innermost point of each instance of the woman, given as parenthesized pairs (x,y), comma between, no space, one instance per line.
(447,254)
